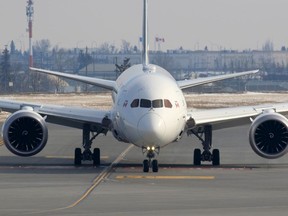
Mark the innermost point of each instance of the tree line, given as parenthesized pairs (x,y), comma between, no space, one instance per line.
(15,76)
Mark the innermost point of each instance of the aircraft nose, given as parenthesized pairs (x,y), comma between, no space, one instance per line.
(151,128)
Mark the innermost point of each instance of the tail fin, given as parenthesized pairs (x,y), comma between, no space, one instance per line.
(145,48)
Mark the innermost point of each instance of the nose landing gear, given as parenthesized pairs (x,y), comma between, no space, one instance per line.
(150,162)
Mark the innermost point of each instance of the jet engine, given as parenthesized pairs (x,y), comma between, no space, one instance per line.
(25,133)
(268,135)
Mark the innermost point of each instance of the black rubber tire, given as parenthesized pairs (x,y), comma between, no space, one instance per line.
(155,166)
(96,157)
(197,157)
(78,157)
(146,166)
(215,157)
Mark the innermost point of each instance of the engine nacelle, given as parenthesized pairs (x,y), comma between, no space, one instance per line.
(25,133)
(268,135)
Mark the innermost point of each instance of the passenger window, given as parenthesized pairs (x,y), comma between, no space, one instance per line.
(157,103)
(167,103)
(135,103)
(145,103)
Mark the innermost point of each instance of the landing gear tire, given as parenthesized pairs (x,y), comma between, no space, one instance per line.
(197,157)
(78,157)
(155,166)
(207,155)
(216,157)
(146,166)
(96,157)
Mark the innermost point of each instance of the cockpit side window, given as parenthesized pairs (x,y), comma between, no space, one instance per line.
(135,103)
(157,103)
(145,103)
(167,103)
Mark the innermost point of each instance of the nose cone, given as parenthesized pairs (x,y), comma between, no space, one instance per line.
(151,128)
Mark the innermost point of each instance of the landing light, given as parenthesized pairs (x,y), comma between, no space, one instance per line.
(151,148)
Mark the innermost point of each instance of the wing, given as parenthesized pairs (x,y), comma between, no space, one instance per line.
(230,117)
(63,115)
(201,81)
(107,84)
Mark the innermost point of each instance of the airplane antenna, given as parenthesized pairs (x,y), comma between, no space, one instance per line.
(145,49)
(29,13)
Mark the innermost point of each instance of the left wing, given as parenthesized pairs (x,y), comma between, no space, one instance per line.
(230,117)
(62,115)
(201,81)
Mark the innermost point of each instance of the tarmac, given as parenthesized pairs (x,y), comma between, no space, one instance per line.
(49,184)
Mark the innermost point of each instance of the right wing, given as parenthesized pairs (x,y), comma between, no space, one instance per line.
(63,115)
(25,132)
(107,84)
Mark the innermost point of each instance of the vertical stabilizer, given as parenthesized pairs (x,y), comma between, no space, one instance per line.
(145,48)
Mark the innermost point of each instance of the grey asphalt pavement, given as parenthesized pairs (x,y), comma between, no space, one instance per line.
(49,184)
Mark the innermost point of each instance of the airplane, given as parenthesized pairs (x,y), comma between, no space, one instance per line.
(149,110)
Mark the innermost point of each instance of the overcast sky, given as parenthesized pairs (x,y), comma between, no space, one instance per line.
(192,24)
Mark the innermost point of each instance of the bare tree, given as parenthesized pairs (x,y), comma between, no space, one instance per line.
(107,48)
(57,82)
(126,47)
(268,46)
(121,68)
(5,69)
(42,46)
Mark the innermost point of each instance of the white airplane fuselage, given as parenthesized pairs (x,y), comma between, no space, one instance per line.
(149,107)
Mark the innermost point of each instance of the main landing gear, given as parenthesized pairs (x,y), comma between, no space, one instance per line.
(147,163)
(206,155)
(87,155)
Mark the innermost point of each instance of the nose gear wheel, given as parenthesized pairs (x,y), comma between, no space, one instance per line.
(150,162)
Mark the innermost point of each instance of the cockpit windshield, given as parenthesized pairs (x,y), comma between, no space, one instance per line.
(157,103)
(145,103)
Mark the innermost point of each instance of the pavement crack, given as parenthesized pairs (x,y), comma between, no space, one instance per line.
(99,178)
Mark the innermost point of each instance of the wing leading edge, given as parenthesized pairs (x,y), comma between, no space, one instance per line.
(107,84)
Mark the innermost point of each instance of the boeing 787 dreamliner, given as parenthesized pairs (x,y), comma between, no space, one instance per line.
(149,111)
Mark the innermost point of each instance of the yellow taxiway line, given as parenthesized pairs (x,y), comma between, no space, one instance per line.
(68,157)
(166,177)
